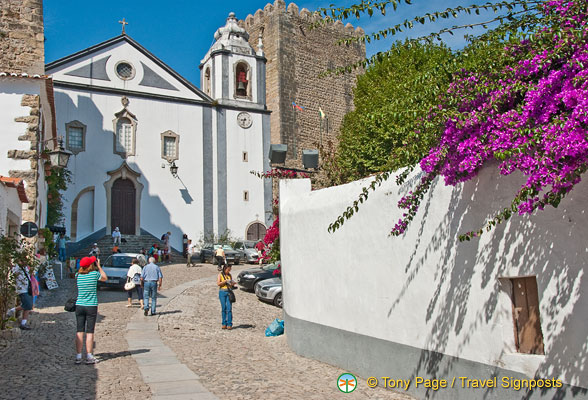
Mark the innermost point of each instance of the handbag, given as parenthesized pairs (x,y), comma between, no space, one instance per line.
(70,304)
(130,285)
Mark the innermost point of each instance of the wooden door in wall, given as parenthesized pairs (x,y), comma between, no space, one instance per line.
(123,206)
(256,231)
(528,335)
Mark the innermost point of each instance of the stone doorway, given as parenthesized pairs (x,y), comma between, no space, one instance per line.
(256,231)
(123,200)
(123,206)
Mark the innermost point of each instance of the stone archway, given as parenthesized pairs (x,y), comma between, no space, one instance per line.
(74,213)
(122,174)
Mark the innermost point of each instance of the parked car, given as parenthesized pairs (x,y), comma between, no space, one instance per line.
(207,254)
(248,251)
(249,277)
(270,291)
(116,267)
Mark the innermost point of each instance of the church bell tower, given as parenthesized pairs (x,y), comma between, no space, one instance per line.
(232,72)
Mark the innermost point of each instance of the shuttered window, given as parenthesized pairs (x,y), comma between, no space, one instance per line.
(525,297)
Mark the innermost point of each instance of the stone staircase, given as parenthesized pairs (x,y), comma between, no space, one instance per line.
(134,244)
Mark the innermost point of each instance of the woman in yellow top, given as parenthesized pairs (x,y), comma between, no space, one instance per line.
(224,282)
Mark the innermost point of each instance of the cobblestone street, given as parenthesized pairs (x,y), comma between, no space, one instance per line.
(39,363)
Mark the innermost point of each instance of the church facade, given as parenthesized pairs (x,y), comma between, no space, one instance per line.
(152,152)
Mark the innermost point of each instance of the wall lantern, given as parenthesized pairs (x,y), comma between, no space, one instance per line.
(59,157)
(173,168)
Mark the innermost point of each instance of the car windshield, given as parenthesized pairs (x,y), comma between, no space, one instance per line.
(119,261)
(250,245)
(270,267)
(227,247)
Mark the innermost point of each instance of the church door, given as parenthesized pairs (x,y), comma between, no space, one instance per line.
(256,231)
(123,206)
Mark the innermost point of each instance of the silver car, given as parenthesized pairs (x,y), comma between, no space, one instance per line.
(248,251)
(270,291)
(116,267)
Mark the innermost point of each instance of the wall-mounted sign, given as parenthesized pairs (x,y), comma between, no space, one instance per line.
(29,229)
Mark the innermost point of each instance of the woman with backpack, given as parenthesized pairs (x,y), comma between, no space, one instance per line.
(134,275)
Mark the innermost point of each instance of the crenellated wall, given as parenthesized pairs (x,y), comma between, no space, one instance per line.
(296,56)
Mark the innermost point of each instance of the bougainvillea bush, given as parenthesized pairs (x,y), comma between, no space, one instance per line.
(532,116)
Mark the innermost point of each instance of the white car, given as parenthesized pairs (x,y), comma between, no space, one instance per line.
(116,267)
(270,291)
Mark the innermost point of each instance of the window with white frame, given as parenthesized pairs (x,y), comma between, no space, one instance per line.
(170,142)
(75,136)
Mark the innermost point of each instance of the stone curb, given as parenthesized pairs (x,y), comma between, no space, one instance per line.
(166,376)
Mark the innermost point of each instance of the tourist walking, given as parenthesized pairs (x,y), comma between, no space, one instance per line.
(116,236)
(151,280)
(225,283)
(24,289)
(260,247)
(87,278)
(165,248)
(134,275)
(219,254)
(189,252)
(61,247)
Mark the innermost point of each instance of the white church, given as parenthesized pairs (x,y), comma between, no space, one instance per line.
(152,152)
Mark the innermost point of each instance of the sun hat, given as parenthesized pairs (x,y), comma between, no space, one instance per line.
(87,261)
(95,244)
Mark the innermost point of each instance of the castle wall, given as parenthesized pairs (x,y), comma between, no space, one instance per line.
(22,47)
(296,57)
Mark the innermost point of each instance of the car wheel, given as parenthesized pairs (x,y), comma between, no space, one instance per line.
(202,259)
(237,261)
(278,300)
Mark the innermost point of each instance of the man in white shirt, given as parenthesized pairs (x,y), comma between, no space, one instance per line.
(116,236)
(191,251)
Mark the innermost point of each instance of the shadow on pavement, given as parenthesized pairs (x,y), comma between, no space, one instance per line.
(109,356)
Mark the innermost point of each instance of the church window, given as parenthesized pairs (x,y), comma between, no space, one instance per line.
(75,136)
(124,136)
(125,70)
(207,81)
(245,195)
(170,142)
(242,86)
(245,156)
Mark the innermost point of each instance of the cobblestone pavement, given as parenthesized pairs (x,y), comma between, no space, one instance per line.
(39,363)
(255,366)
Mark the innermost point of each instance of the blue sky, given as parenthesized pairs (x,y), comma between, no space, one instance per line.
(181,32)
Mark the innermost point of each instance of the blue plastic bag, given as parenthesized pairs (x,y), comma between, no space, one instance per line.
(276,328)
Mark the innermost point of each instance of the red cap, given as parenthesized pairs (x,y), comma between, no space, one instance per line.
(87,261)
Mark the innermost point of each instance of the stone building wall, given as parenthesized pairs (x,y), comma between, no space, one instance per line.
(22,47)
(296,56)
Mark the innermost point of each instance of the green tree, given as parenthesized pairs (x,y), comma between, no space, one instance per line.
(388,128)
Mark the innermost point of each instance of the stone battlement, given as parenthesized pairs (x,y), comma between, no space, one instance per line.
(279,6)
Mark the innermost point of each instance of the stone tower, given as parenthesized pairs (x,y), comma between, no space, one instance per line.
(22,47)
(296,57)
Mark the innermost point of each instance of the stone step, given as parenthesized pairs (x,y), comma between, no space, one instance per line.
(133,244)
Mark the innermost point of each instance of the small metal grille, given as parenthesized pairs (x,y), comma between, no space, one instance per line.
(169,147)
(124,70)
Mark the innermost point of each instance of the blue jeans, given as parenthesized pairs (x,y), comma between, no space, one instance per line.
(61,254)
(150,292)
(227,308)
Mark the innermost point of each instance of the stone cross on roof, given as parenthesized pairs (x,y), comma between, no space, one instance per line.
(123,23)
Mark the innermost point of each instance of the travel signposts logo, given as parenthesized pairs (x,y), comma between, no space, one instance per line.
(346,383)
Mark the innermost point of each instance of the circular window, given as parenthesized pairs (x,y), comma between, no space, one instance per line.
(125,70)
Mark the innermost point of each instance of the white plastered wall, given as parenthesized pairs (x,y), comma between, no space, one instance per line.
(426,289)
